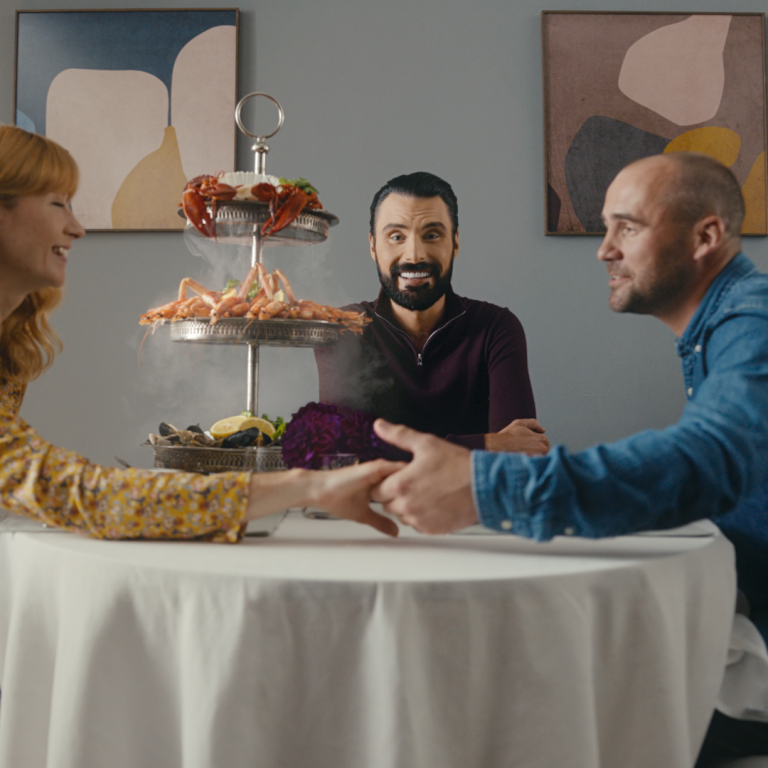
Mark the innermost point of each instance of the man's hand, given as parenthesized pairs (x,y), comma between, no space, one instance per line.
(521,436)
(433,493)
(346,492)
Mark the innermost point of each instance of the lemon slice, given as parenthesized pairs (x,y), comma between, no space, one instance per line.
(264,426)
(228,426)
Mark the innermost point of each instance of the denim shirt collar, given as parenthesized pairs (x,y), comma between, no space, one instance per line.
(732,272)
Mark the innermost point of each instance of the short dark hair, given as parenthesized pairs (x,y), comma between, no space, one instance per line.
(705,186)
(419,184)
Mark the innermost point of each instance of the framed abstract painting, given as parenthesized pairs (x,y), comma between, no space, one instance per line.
(622,86)
(144,100)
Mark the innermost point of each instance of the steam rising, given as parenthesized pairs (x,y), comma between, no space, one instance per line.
(187,383)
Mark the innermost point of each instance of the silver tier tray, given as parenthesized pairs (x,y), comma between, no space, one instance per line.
(270,333)
(206,460)
(238,220)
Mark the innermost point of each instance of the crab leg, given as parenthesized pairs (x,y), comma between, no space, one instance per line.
(193,285)
(265,281)
(245,286)
(289,297)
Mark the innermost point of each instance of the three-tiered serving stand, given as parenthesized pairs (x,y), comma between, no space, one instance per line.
(240,222)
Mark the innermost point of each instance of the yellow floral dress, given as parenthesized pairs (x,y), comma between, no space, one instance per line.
(61,488)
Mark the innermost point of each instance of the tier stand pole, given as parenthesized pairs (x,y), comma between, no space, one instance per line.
(253,379)
(252,404)
(260,150)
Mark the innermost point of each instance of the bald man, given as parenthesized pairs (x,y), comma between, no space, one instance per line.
(672,250)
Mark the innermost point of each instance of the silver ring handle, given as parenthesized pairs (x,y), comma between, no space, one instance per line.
(281,116)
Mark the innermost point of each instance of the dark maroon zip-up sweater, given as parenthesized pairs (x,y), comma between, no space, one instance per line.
(470,378)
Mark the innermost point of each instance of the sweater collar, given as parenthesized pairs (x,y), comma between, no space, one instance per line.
(453,308)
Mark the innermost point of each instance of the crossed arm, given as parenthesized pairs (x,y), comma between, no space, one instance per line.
(521,436)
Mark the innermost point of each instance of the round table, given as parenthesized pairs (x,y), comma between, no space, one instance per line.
(328,645)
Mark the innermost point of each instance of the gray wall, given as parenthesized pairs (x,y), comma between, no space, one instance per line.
(370,90)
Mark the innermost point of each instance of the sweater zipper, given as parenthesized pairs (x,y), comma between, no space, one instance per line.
(419,355)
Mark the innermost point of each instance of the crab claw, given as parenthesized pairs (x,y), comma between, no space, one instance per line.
(194,201)
(196,211)
(286,213)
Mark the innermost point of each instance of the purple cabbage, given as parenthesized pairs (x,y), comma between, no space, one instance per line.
(319,429)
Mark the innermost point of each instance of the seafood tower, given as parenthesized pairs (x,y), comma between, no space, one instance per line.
(254,209)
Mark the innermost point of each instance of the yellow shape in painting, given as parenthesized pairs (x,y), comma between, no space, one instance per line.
(755,222)
(149,196)
(721,143)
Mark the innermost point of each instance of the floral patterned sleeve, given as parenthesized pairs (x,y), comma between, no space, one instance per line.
(61,488)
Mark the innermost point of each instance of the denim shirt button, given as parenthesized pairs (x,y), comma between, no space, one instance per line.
(569,531)
(690,391)
(506,524)
(697,348)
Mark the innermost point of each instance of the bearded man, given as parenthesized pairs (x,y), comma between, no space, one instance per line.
(454,367)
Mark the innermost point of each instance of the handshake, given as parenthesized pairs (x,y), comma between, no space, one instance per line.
(432,493)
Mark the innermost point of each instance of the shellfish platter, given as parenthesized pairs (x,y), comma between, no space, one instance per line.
(260,296)
(239,443)
(246,208)
(208,460)
(268,333)
(233,207)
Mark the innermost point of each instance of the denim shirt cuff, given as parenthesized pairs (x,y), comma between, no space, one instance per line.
(497,482)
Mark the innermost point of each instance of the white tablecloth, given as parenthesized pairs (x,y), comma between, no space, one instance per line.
(330,646)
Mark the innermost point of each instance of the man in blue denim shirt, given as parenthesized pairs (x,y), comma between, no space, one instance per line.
(672,250)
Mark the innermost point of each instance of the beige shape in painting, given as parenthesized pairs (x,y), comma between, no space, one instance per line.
(109,121)
(755,220)
(203,102)
(677,70)
(721,143)
(150,195)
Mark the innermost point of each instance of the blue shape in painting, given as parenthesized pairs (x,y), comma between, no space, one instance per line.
(149,41)
(601,148)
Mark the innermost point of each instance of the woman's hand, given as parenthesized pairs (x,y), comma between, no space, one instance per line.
(346,492)
(343,492)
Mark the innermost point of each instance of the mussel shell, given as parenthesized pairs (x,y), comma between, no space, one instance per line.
(166,429)
(195,428)
(243,439)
